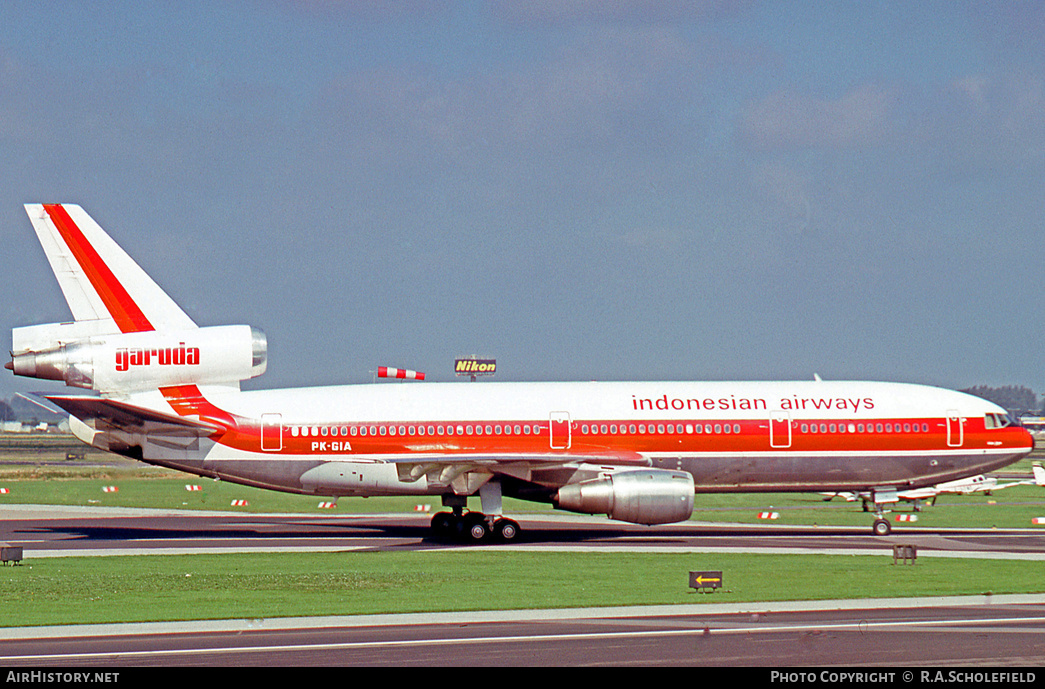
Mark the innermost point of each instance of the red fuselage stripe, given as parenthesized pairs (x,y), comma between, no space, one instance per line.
(129,318)
(753,437)
(187,400)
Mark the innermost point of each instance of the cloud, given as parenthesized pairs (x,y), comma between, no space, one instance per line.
(787,193)
(650,238)
(369,10)
(545,12)
(590,93)
(860,117)
(990,121)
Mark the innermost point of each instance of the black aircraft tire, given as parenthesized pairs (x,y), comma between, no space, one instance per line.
(443,525)
(506,529)
(475,527)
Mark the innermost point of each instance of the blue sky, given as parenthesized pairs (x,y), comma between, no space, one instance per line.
(582,190)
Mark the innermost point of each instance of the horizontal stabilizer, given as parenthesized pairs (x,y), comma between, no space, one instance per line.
(113,414)
(40,400)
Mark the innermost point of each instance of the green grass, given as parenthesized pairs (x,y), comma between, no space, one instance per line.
(33,471)
(149,488)
(174,587)
(160,492)
(1012,508)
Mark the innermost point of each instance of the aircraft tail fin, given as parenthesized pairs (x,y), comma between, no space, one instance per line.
(101,283)
(128,334)
(1039,473)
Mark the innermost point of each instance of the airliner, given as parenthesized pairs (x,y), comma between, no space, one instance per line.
(166,391)
(964,486)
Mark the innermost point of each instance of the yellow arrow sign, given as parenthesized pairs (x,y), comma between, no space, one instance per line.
(705,580)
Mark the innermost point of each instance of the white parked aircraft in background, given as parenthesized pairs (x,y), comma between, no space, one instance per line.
(168,392)
(964,486)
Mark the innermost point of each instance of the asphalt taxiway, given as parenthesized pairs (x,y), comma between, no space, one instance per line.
(965,631)
(45,531)
(974,631)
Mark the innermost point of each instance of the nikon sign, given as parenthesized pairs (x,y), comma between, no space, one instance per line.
(475,367)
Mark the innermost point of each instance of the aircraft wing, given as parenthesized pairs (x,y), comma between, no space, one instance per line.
(1038,480)
(921,493)
(966,486)
(980,484)
(464,473)
(845,495)
(613,457)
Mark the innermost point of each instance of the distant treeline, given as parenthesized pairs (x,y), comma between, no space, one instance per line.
(22,410)
(1015,398)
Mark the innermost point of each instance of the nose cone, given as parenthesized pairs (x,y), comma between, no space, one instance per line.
(10,365)
(1020,438)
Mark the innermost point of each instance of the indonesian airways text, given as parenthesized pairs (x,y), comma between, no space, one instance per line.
(664,403)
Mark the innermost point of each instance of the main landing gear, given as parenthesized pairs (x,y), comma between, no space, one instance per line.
(475,527)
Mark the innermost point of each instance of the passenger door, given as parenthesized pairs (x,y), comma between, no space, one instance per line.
(955,429)
(559,430)
(271,432)
(780,429)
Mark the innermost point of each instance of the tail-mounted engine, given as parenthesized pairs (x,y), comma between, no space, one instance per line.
(642,496)
(138,361)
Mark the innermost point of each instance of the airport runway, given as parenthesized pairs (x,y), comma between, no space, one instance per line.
(970,631)
(894,635)
(62,531)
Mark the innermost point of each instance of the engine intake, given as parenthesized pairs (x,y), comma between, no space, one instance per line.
(646,496)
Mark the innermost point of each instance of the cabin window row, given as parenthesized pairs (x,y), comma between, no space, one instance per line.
(670,428)
(865,428)
(587,429)
(508,429)
(415,430)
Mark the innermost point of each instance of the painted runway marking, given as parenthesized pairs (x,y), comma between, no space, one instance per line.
(767,628)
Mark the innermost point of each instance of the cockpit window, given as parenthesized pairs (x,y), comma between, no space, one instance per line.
(996,420)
